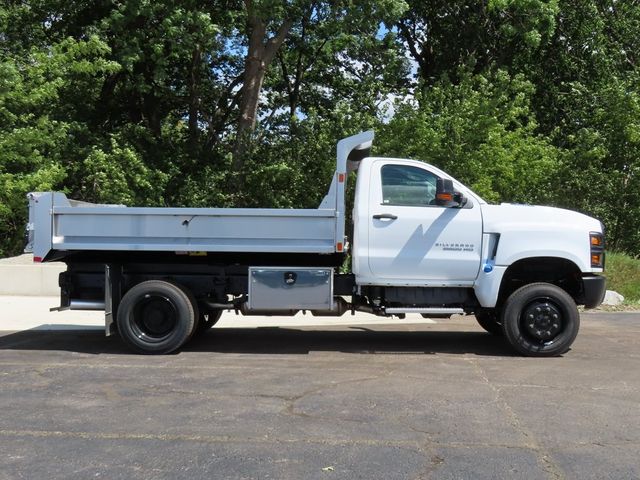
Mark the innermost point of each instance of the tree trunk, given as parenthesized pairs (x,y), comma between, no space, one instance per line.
(194,98)
(254,76)
(260,53)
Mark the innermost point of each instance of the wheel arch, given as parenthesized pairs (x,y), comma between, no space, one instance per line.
(558,271)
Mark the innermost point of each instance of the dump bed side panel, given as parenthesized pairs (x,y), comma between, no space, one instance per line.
(58,224)
(207,230)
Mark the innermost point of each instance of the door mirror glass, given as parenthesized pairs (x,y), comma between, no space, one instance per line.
(447,196)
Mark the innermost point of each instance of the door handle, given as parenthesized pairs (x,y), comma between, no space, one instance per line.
(385,216)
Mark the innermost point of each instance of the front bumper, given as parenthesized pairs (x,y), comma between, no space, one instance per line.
(593,289)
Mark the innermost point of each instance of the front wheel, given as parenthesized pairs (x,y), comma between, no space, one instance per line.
(540,320)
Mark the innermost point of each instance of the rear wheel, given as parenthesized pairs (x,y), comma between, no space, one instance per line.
(540,320)
(489,319)
(156,317)
(194,305)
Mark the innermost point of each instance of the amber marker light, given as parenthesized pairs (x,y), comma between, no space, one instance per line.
(597,241)
(596,260)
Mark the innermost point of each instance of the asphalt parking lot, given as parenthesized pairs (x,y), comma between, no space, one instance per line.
(442,400)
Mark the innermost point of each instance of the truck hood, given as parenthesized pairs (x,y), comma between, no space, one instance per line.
(506,216)
(525,232)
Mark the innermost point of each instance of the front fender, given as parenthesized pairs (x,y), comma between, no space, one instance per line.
(572,245)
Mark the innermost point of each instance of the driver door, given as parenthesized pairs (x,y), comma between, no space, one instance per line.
(414,241)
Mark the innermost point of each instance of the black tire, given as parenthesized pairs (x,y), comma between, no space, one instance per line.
(194,305)
(489,319)
(156,317)
(540,320)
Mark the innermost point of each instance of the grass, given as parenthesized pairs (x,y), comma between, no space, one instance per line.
(623,276)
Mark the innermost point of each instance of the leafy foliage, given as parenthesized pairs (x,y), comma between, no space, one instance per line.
(37,137)
(142,102)
(623,276)
(481,130)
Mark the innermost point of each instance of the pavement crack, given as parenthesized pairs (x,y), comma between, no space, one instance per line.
(290,408)
(544,457)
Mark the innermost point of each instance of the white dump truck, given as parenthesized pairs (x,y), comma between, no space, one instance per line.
(422,243)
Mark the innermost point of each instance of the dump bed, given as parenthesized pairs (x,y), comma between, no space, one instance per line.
(74,226)
(57,224)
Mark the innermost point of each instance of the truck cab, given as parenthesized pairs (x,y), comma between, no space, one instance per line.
(405,236)
(423,238)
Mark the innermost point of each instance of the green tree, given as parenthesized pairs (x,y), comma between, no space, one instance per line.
(601,168)
(441,35)
(586,101)
(305,30)
(35,135)
(481,130)
(178,103)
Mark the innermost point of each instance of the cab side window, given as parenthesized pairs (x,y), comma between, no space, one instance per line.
(406,185)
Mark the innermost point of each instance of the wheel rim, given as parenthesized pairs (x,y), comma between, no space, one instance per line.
(542,321)
(154,318)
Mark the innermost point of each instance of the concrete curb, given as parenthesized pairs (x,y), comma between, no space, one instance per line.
(30,280)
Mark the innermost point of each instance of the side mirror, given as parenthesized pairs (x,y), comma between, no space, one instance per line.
(446,196)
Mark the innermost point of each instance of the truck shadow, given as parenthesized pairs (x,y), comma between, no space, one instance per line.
(277,341)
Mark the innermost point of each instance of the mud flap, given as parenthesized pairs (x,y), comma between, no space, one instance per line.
(112,296)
